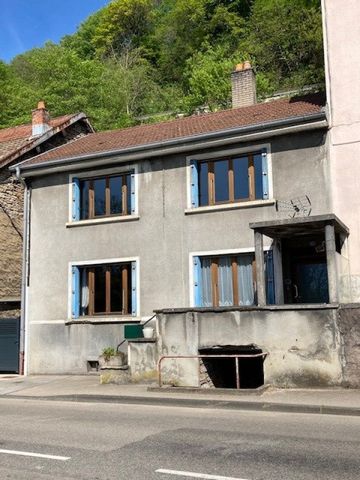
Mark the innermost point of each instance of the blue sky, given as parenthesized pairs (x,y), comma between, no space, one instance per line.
(25,24)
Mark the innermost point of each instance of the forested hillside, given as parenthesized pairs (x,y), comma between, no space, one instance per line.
(138,58)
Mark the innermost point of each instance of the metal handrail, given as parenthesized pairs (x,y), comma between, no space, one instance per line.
(236,356)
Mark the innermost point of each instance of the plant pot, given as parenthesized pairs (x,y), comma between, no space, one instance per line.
(148,332)
(115,361)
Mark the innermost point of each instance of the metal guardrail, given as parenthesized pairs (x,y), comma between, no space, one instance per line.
(235,356)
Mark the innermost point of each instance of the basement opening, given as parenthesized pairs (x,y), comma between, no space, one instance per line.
(221,372)
(92,365)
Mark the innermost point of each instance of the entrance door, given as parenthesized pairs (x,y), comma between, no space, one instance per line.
(305,269)
(9,345)
(311,282)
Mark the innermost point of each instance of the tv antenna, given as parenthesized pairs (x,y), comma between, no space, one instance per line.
(295,207)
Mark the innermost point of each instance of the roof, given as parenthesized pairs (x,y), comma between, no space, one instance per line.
(15,141)
(289,227)
(296,108)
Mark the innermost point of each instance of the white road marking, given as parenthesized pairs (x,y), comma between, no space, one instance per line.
(196,475)
(31,454)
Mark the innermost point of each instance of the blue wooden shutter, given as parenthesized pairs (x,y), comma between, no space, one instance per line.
(133,289)
(269,275)
(194,185)
(265,176)
(75,292)
(132,193)
(197,282)
(75,199)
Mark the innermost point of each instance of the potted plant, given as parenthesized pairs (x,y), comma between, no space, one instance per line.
(111,358)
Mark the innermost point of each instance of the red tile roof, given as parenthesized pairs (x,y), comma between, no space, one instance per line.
(15,141)
(25,131)
(143,135)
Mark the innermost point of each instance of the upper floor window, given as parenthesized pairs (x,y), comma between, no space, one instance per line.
(237,178)
(103,196)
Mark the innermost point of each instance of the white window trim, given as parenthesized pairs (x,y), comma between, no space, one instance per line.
(223,153)
(104,171)
(231,251)
(99,221)
(103,261)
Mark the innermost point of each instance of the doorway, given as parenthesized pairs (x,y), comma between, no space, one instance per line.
(9,345)
(222,371)
(305,270)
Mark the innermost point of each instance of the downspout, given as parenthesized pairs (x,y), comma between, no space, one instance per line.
(25,269)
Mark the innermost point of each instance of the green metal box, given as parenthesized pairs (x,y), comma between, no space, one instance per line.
(133,331)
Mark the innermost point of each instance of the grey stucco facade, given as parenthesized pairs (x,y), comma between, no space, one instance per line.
(161,237)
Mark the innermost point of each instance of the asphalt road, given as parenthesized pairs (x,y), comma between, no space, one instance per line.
(107,441)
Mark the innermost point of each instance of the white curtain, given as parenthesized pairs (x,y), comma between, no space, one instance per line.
(206,282)
(84,292)
(226,295)
(245,280)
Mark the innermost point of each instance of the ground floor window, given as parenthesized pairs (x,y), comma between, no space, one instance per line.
(105,289)
(229,280)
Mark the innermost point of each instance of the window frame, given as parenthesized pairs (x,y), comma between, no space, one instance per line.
(132,169)
(92,289)
(92,200)
(106,262)
(228,154)
(213,254)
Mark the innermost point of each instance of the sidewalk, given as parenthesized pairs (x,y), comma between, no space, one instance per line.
(85,388)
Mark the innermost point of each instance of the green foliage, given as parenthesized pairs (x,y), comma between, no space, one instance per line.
(137,58)
(285,40)
(123,25)
(108,352)
(207,75)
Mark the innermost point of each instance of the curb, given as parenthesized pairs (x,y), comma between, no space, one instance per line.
(197,403)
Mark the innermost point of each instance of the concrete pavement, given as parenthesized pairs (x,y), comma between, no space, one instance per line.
(86,388)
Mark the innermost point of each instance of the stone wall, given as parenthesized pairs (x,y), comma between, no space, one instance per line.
(11,226)
(349,325)
(9,309)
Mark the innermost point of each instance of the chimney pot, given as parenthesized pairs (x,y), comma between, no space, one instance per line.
(243,85)
(40,119)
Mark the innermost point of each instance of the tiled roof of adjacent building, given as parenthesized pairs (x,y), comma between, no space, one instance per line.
(116,140)
(15,141)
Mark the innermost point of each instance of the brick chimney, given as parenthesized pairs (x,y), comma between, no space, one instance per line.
(243,85)
(40,120)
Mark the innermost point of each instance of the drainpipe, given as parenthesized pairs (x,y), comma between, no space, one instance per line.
(25,268)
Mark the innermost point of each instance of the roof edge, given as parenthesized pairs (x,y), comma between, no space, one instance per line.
(45,136)
(317,120)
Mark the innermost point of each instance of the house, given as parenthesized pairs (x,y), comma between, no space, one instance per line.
(16,145)
(163,217)
(239,229)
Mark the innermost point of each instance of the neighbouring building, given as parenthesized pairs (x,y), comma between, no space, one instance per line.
(18,144)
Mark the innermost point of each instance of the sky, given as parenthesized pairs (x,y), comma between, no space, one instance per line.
(25,24)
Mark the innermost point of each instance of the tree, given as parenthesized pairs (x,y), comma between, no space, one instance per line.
(122,25)
(285,40)
(208,77)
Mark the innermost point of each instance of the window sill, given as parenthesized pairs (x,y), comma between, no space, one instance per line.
(230,206)
(99,221)
(102,320)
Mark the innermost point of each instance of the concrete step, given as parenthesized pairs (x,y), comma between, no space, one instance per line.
(118,375)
